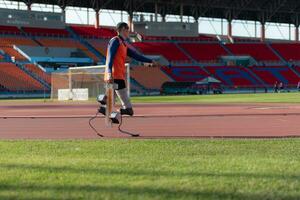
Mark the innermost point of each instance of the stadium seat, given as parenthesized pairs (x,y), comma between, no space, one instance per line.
(289,51)
(272,74)
(92,32)
(259,51)
(233,75)
(186,73)
(20,40)
(67,43)
(149,77)
(204,52)
(14,79)
(49,32)
(13,53)
(39,72)
(166,49)
(10,30)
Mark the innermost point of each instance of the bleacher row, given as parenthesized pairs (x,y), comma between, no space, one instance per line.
(188,50)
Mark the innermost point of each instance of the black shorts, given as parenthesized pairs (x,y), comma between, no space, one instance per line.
(121,84)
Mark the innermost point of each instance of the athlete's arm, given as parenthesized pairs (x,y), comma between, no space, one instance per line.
(137,56)
(112,51)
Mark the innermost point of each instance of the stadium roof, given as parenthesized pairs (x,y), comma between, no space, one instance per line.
(280,11)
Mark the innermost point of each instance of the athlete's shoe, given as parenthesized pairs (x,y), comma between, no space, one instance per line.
(126,111)
(102,99)
(102,110)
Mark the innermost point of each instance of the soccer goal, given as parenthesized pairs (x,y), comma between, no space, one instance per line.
(81,83)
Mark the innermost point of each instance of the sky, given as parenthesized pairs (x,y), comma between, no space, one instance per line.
(206,25)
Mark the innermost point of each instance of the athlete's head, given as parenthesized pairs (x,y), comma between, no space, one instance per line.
(123,29)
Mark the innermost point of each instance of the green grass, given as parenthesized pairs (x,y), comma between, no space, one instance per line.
(150,169)
(225,98)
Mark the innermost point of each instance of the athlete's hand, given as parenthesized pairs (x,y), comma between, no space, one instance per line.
(109,78)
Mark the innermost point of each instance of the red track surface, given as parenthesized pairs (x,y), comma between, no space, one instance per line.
(70,121)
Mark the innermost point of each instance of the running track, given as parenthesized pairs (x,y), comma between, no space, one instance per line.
(70,121)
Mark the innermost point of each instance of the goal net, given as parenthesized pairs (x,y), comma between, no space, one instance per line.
(80,83)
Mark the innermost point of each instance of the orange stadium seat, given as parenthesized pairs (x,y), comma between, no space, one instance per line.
(149,77)
(99,45)
(13,53)
(10,41)
(14,79)
(68,43)
(36,70)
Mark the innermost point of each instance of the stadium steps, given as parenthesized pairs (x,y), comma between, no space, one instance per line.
(86,44)
(30,36)
(276,53)
(226,49)
(5,56)
(36,77)
(293,70)
(185,52)
(137,85)
(255,76)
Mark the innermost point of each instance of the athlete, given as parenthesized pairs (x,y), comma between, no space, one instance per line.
(115,72)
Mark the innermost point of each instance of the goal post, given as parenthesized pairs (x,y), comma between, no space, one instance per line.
(81,83)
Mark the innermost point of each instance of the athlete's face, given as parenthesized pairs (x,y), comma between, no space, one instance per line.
(125,33)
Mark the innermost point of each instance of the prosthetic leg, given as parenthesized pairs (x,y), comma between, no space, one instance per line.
(107,107)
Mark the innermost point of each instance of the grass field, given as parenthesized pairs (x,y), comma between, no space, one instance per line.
(150,169)
(224,98)
(154,169)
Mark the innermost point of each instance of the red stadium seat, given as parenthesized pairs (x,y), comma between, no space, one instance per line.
(259,51)
(166,49)
(233,75)
(272,74)
(92,32)
(12,30)
(289,51)
(186,73)
(204,52)
(46,32)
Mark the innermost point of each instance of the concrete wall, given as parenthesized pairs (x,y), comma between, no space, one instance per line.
(167,28)
(31,18)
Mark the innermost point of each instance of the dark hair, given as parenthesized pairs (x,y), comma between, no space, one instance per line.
(122,25)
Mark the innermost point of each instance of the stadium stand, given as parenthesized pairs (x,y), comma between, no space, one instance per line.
(99,45)
(272,74)
(204,52)
(166,49)
(14,79)
(259,51)
(49,32)
(38,72)
(12,30)
(92,32)
(289,51)
(66,42)
(12,53)
(233,75)
(10,41)
(185,73)
(149,77)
